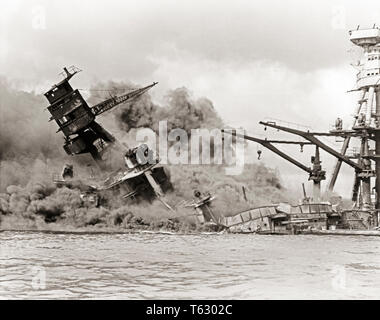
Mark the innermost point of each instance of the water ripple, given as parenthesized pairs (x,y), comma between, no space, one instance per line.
(164,266)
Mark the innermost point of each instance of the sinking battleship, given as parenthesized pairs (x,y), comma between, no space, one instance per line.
(142,175)
(312,215)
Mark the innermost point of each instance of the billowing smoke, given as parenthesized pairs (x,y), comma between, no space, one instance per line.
(179,110)
(256,186)
(40,207)
(30,150)
(28,142)
(24,129)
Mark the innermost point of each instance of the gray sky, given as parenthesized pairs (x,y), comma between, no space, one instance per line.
(253,59)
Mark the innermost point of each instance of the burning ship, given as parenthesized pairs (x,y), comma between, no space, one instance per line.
(142,177)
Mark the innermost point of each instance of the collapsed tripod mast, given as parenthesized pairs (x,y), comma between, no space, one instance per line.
(77,120)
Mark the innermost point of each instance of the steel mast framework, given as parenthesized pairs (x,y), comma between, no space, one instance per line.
(365,127)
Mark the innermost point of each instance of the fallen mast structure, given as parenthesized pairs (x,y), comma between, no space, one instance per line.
(141,176)
(76,119)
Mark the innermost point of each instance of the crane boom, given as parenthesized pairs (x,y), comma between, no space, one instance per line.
(310,137)
(114,101)
(316,174)
(268,144)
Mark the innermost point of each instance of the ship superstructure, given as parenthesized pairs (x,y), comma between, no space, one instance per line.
(77,120)
(141,177)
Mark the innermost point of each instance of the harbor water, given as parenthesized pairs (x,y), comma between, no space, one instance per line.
(36,265)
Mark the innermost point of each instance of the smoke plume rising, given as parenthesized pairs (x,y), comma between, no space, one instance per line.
(179,110)
(31,150)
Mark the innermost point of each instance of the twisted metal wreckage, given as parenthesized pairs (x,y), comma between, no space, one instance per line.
(143,176)
(84,135)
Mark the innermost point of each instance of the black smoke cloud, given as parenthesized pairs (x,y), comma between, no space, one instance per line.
(180,110)
(30,150)
(24,129)
(29,146)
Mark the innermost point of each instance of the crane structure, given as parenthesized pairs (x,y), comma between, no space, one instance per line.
(365,127)
(316,174)
(76,119)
